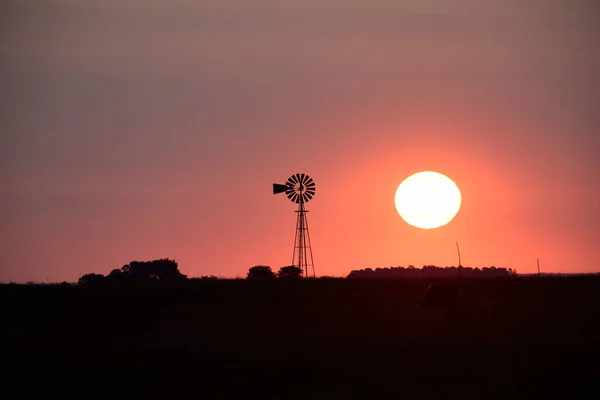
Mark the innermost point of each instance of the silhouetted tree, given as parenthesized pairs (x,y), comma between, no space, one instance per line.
(291,271)
(115,276)
(261,272)
(91,279)
(163,270)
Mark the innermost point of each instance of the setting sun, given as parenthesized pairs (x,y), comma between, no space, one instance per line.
(427,200)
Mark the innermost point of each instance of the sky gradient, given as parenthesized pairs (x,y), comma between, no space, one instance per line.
(136,130)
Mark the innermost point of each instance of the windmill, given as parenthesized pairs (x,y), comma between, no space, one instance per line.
(300,188)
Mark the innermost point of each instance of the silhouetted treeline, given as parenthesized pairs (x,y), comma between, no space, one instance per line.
(163,270)
(167,271)
(431,271)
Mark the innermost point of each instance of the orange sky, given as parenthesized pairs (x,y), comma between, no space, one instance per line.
(143,130)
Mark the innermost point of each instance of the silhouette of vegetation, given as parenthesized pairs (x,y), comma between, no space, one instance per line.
(136,272)
(261,272)
(289,272)
(91,279)
(432,271)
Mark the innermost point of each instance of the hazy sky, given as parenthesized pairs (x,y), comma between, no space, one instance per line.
(135,130)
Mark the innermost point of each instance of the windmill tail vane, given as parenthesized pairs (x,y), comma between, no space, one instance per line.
(300,189)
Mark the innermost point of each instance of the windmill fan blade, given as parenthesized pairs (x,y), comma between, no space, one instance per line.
(299,188)
(278,188)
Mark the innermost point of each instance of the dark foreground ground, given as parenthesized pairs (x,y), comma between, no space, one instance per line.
(309,339)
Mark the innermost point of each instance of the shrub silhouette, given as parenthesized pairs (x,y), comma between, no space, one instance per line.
(261,272)
(290,271)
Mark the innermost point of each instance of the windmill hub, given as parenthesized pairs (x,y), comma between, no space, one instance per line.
(300,189)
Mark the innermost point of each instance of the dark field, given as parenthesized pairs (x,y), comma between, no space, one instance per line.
(321,339)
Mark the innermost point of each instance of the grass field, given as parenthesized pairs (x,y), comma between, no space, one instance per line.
(304,339)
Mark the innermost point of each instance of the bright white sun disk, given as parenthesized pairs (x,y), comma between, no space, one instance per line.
(427,200)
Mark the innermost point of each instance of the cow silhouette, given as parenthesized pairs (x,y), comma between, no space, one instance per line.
(440,295)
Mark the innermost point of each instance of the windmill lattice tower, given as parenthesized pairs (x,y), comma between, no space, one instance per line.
(300,188)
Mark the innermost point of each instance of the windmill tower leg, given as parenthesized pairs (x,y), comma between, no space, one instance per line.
(295,260)
(309,247)
(302,246)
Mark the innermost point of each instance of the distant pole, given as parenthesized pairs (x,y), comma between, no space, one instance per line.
(538,264)
(459,264)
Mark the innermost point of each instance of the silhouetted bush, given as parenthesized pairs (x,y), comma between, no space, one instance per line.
(289,272)
(261,272)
